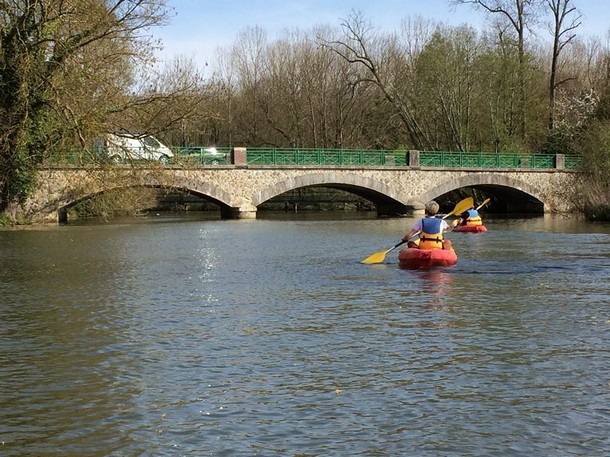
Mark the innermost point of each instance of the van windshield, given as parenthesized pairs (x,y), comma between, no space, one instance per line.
(150,142)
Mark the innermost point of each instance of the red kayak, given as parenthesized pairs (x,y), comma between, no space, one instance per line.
(470,228)
(426,258)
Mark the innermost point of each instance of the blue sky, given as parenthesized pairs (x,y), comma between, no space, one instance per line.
(199,27)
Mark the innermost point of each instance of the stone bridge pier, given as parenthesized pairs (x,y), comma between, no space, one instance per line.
(240,189)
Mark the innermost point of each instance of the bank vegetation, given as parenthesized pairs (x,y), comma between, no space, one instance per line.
(531,81)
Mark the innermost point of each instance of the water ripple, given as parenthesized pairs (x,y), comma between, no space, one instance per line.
(173,339)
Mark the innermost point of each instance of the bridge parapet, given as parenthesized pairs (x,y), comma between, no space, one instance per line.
(290,157)
(411,158)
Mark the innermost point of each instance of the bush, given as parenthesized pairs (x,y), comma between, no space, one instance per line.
(558,143)
(594,146)
(8,221)
(597,213)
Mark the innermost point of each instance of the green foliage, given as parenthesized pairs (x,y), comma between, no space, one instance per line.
(513,144)
(19,174)
(116,202)
(598,212)
(8,221)
(602,111)
(65,71)
(594,146)
(558,143)
(444,84)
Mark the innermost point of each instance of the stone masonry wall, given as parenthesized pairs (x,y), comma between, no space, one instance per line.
(240,189)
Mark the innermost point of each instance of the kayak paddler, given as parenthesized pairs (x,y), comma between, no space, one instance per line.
(430,230)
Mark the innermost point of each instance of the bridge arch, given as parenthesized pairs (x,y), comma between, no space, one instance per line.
(207,190)
(484,179)
(385,197)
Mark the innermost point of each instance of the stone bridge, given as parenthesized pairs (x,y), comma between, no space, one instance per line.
(240,189)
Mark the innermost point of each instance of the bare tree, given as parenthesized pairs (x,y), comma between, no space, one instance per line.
(361,46)
(563,34)
(446,74)
(518,13)
(169,99)
(248,59)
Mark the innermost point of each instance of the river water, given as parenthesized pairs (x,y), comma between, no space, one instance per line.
(180,337)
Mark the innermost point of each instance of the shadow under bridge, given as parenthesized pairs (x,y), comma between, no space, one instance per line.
(335,197)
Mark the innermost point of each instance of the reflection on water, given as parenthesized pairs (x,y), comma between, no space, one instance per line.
(175,336)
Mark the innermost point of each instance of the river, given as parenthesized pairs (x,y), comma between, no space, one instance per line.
(169,336)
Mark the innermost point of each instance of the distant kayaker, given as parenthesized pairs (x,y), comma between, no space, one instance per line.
(470,218)
(430,230)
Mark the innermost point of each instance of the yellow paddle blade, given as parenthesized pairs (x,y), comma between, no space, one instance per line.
(461,206)
(378,257)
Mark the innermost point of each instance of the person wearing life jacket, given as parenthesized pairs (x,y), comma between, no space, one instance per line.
(470,218)
(430,230)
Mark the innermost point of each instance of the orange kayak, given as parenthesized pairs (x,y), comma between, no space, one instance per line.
(470,228)
(425,258)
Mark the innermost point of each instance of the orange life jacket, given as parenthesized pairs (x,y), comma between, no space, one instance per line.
(473,218)
(431,235)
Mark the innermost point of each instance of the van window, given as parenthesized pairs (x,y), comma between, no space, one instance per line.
(150,142)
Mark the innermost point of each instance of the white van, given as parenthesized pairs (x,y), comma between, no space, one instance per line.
(122,147)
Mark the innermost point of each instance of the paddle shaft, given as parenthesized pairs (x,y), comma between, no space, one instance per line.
(396,245)
(483,204)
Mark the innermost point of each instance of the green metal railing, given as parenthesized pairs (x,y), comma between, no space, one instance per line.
(573,161)
(485,160)
(363,158)
(298,156)
(346,157)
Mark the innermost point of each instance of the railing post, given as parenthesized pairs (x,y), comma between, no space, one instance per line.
(414,158)
(560,161)
(239,156)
